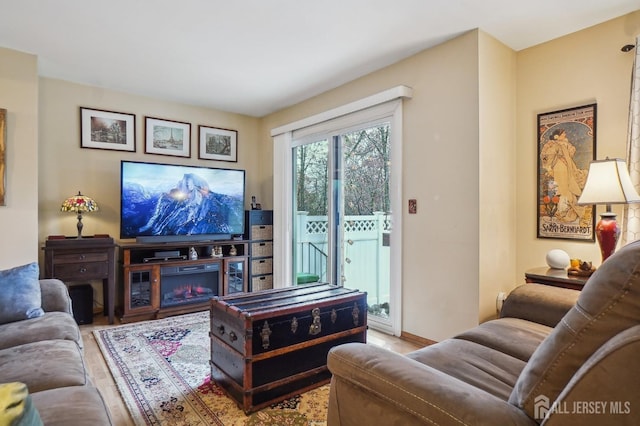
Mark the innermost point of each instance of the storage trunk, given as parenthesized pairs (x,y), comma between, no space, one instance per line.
(269,345)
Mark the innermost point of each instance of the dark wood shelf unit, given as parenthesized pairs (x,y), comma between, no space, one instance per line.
(145,264)
(72,259)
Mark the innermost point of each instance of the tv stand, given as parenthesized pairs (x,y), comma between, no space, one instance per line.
(153,273)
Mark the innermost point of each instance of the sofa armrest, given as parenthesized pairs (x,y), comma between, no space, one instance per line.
(609,381)
(55,296)
(539,303)
(371,385)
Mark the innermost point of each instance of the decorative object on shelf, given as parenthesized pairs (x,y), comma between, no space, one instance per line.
(233,251)
(167,137)
(583,269)
(566,145)
(193,254)
(557,259)
(107,130)
(608,182)
(255,205)
(218,144)
(79,204)
(217,251)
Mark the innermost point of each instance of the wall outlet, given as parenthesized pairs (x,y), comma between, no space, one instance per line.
(500,301)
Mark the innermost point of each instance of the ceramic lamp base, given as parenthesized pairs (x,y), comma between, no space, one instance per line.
(607,233)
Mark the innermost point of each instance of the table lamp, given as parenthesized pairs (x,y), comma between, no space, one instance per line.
(608,182)
(79,204)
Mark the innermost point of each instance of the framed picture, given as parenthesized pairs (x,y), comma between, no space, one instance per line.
(167,137)
(218,144)
(3,137)
(566,147)
(107,130)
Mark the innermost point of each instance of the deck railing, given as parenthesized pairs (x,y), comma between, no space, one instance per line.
(366,262)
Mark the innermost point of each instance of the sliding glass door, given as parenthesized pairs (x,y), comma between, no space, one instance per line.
(342,212)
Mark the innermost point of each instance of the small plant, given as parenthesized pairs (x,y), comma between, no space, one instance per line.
(380,310)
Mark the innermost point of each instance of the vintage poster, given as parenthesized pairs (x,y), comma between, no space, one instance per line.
(566,147)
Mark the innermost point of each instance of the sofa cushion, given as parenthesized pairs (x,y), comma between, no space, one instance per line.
(480,366)
(501,333)
(44,365)
(20,296)
(608,304)
(75,405)
(52,325)
(16,407)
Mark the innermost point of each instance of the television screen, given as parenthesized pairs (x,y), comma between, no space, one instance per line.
(159,200)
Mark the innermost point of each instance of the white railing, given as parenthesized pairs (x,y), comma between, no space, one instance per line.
(366,265)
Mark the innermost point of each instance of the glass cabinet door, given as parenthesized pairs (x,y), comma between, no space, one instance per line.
(140,289)
(235,275)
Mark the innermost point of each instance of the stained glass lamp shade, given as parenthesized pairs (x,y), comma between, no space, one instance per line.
(79,204)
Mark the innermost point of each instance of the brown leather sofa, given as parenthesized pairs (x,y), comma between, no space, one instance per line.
(554,357)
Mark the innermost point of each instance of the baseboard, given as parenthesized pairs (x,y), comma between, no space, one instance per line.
(417,340)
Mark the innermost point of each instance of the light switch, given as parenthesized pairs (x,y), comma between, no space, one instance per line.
(413,206)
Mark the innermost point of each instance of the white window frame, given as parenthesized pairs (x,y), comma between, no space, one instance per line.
(384,104)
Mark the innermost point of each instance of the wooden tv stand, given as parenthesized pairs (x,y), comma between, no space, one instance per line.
(145,265)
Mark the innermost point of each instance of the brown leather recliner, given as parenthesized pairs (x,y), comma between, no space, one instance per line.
(548,359)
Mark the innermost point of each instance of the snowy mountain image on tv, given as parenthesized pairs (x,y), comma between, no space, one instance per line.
(167,200)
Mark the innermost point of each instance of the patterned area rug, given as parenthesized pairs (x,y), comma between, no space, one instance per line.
(162,371)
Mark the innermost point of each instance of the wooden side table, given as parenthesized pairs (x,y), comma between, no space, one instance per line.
(82,259)
(555,277)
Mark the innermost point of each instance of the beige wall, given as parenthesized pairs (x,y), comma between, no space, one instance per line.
(578,69)
(19,216)
(465,145)
(65,168)
(497,158)
(475,104)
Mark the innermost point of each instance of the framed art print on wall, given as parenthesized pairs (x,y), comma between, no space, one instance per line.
(107,130)
(218,144)
(167,137)
(566,147)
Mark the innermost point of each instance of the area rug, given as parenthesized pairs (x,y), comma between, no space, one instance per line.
(162,371)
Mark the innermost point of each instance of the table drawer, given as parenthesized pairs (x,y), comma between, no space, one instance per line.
(80,257)
(81,270)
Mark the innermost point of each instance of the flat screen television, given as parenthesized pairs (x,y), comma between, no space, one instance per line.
(168,202)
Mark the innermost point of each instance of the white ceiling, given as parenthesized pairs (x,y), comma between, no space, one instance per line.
(258,56)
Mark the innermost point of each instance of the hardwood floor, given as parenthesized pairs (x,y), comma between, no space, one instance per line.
(102,379)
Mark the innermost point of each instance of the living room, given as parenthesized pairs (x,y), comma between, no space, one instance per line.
(459,101)
(474,100)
